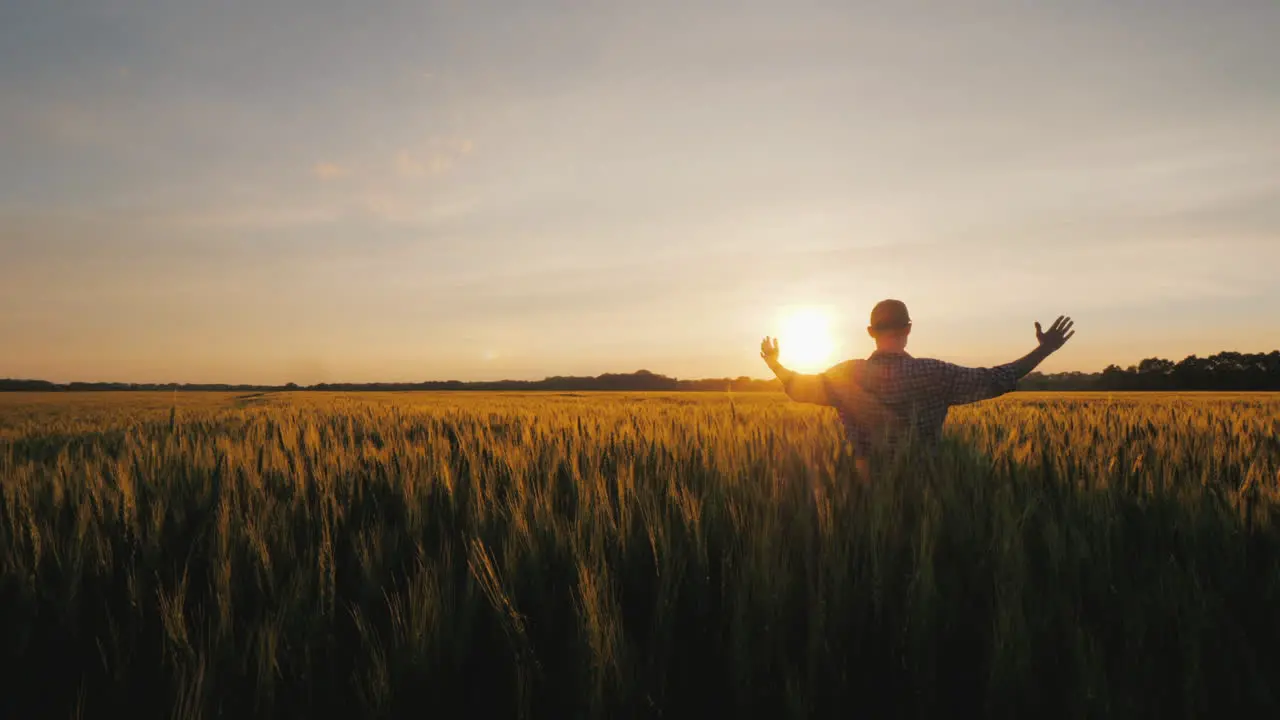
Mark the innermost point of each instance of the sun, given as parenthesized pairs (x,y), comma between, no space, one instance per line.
(805,342)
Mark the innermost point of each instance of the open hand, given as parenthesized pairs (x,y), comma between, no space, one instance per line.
(1058,334)
(769,350)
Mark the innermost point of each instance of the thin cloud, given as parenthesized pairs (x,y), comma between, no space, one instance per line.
(408,208)
(438,156)
(328,171)
(409,166)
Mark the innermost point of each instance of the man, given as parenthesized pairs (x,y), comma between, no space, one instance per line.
(891,396)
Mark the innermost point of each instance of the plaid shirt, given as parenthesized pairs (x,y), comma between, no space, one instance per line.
(892,395)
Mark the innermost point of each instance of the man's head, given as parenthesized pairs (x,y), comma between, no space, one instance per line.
(890,325)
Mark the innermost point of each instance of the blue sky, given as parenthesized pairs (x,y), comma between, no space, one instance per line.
(314,191)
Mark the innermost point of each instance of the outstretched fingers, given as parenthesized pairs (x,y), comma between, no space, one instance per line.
(768,347)
(1058,333)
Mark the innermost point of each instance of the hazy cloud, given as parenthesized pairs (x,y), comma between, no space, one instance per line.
(437,156)
(328,171)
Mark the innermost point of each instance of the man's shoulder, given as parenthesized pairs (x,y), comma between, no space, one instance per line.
(844,369)
(930,367)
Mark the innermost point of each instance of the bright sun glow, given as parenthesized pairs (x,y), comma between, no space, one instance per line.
(805,343)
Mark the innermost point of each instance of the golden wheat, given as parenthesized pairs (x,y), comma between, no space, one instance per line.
(633,555)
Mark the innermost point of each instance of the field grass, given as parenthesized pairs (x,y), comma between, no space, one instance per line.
(633,555)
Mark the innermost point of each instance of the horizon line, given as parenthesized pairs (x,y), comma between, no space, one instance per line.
(547,378)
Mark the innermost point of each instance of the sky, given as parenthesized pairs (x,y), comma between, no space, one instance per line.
(314,191)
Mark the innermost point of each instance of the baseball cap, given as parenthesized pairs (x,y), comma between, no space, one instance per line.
(890,315)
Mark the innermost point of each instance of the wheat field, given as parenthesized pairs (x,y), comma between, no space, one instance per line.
(633,555)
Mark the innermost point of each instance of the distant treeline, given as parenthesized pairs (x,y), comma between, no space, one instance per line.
(1224,371)
(640,380)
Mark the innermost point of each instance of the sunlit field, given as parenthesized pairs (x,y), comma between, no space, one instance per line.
(634,555)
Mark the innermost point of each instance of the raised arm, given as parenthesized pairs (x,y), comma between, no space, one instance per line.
(798,386)
(967,385)
(1049,343)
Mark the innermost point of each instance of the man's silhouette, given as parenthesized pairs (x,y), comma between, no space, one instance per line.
(891,396)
